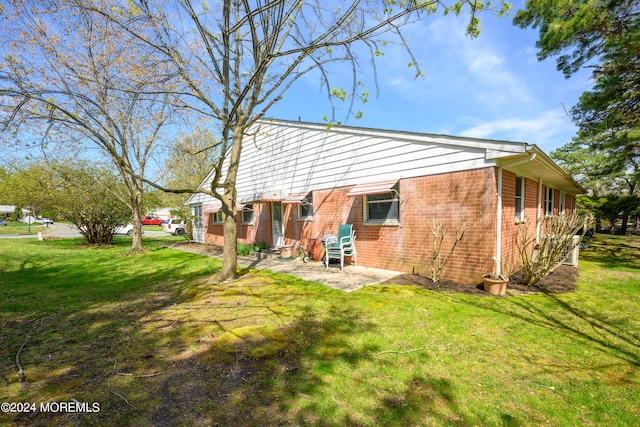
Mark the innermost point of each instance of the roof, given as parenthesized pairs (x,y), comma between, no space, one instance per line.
(288,157)
(537,165)
(11,208)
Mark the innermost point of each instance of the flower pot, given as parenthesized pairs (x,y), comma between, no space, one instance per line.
(286,251)
(496,286)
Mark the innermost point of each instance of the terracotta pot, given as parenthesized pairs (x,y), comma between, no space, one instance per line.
(286,251)
(495,286)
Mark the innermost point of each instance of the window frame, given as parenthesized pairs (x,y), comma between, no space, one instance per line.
(548,201)
(215,218)
(395,198)
(306,202)
(562,206)
(246,209)
(519,216)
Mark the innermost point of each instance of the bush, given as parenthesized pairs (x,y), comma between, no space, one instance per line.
(546,248)
(246,249)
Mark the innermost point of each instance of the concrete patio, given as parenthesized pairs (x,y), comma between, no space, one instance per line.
(350,279)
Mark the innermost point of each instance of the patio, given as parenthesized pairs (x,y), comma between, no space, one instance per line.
(350,279)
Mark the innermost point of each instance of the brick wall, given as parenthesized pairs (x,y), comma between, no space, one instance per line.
(257,231)
(468,196)
(510,258)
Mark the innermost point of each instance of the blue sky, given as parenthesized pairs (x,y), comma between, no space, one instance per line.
(490,87)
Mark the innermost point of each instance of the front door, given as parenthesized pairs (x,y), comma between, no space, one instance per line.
(198,224)
(277,224)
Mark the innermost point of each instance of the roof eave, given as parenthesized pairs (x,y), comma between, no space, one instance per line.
(541,167)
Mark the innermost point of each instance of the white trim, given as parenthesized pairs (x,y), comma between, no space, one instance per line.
(549,195)
(395,197)
(498,258)
(539,211)
(520,217)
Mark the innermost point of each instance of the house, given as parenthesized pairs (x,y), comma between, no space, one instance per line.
(164,213)
(298,181)
(6,211)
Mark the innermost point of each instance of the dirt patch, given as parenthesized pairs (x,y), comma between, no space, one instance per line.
(563,279)
(196,248)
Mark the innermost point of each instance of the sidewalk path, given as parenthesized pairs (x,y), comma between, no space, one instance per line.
(349,279)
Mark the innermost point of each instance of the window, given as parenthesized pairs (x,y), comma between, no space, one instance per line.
(563,202)
(247,214)
(519,199)
(305,208)
(198,219)
(215,217)
(382,208)
(548,201)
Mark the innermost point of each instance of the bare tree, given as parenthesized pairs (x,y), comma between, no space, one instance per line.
(235,59)
(71,77)
(540,255)
(439,230)
(239,57)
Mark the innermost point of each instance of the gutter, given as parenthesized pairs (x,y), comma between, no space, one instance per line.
(498,257)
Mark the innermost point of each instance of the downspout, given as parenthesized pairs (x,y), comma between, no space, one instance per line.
(538,210)
(498,257)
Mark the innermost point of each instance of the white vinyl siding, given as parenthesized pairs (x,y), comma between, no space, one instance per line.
(291,157)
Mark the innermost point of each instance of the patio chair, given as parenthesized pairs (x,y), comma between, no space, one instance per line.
(341,246)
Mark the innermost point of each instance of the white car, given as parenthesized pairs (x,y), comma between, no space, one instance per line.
(127,229)
(174,226)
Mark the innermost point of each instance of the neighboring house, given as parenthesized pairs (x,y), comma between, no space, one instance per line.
(164,213)
(298,181)
(6,211)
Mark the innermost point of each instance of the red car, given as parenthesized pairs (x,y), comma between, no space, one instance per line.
(152,220)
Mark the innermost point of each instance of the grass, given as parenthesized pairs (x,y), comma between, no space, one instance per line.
(103,325)
(19,228)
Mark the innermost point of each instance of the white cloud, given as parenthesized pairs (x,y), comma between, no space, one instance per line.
(542,130)
(456,67)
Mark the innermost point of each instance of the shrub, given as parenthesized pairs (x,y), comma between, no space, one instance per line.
(244,248)
(546,249)
(439,230)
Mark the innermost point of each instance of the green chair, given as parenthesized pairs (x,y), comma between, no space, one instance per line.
(341,246)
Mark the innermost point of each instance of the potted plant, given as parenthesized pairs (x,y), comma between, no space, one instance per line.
(286,251)
(495,284)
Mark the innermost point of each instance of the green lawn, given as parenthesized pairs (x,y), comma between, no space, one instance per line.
(153,341)
(14,227)
(20,228)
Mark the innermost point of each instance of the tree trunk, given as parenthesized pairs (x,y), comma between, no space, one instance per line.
(229,213)
(625,221)
(229,252)
(136,209)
